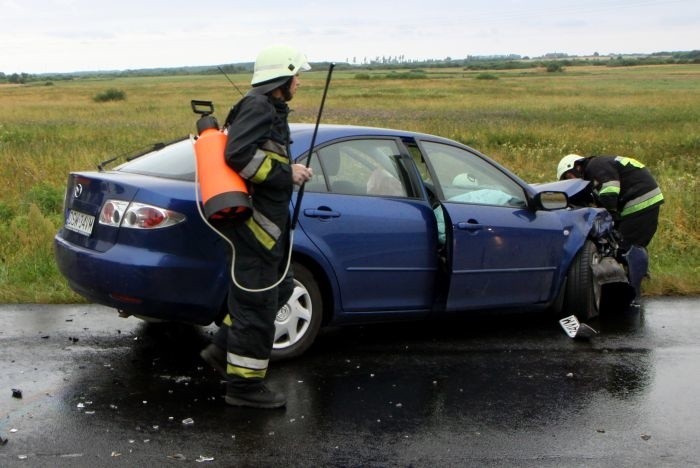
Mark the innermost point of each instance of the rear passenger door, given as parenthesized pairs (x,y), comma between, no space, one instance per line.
(364,213)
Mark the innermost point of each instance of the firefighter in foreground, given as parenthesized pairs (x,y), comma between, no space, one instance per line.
(629,192)
(257,149)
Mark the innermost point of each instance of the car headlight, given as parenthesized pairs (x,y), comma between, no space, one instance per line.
(118,213)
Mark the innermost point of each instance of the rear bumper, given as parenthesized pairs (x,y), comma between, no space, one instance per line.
(143,282)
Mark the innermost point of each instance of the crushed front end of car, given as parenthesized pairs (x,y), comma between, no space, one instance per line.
(597,275)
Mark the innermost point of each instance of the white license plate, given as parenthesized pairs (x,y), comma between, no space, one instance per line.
(80,222)
(570,325)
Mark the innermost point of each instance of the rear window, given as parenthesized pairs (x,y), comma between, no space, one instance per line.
(175,161)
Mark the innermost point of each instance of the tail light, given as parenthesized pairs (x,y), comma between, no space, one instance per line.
(119,213)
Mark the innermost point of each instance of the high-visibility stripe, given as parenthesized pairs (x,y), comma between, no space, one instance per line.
(228,320)
(277,157)
(610,187)
(263,171)
(629,161)
(247,362)
(253,165)
(259,167)
(275,147)
(271,228)
(645,201)
(245,373)
(260,234)
(264,230)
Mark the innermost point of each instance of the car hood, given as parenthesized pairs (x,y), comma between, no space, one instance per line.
(571,187)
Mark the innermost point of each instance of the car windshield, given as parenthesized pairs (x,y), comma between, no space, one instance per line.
(175,161)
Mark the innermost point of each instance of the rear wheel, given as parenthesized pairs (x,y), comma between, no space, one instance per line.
(582,292)
(299,320)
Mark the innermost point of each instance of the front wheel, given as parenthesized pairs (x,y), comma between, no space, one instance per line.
(582,292)
(299,320)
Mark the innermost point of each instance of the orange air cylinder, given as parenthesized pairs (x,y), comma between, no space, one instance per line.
(223,192)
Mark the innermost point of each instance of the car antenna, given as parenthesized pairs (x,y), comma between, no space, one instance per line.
(230,81)
(297,205)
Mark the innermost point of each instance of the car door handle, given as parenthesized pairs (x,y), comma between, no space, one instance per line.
(472,226)
(323,213)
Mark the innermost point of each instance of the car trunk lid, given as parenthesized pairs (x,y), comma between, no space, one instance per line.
(85,195)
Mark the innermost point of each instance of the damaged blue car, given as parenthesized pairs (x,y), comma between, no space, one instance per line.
(394,225)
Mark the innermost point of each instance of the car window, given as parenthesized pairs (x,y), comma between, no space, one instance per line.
(358,167)
(175,161)
(318,181)
(465,177)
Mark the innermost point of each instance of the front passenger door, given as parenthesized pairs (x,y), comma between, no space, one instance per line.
(501,252)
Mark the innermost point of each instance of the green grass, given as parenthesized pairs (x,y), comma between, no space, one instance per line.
(525,119)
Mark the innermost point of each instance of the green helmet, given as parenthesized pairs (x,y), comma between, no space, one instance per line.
(275,64)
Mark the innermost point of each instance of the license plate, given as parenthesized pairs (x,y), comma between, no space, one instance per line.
(570,325)
(80,222)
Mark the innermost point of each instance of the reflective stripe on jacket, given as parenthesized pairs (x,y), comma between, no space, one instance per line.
(257,148)
(623,185)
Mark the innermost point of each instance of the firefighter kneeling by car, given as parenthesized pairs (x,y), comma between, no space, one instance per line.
(257,148)
(626,188)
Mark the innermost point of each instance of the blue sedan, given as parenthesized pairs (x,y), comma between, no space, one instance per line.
(394,225)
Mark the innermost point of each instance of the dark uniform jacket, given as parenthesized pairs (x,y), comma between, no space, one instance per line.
(623,185)
(257,149)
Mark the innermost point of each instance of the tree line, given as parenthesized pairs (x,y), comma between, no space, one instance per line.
(549,61)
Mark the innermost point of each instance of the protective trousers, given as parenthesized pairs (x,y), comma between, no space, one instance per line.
(637,231)
(248,331)
(639,228)
(637,266)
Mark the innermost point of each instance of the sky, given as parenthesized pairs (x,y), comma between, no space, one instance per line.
(63,36)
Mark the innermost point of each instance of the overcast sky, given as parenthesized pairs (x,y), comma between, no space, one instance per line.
(82,35)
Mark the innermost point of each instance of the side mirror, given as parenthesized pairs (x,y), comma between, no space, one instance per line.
(551,201)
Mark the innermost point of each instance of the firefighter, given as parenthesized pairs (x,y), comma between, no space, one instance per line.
(626,188)
(257,148)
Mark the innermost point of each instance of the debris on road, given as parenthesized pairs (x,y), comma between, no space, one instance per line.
(575,329)
(16,393)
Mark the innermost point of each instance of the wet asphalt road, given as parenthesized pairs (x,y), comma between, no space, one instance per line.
(98,390)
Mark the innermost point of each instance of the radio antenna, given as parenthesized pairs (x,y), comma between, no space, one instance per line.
(229,80)
(297,205)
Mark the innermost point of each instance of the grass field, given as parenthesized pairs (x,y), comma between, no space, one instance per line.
(526,120)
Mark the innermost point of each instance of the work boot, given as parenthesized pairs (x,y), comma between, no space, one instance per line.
(215,357)
(257,396)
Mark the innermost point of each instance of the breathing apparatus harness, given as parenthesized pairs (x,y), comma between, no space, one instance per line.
(224,194)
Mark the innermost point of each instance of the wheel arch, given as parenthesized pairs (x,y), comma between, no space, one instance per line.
(324,282)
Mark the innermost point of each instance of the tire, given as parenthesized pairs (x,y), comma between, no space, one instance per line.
(299,320)
(582,293)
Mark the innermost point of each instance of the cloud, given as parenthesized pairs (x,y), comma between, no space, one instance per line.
(74,35)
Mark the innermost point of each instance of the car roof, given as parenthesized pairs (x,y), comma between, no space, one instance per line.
(302,134)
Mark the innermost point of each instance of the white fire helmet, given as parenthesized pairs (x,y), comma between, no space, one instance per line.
(275,64)
(567,163)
